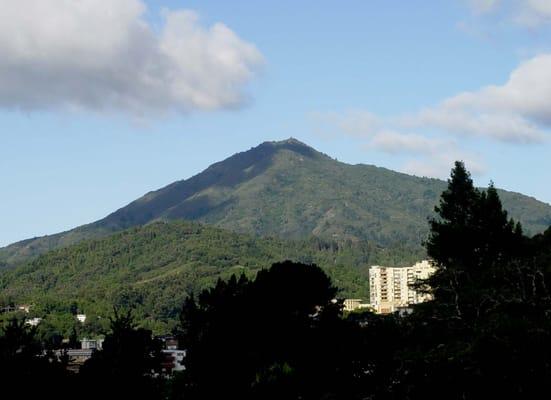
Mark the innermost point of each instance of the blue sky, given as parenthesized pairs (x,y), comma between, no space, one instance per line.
(91,119)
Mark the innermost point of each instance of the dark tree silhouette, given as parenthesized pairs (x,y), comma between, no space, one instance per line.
(128,365)
(486,334)
(26,369)
(273,337)
(471,242)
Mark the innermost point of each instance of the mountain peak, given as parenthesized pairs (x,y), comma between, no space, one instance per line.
(287,188)
(290,144)
(290,141)
(286,143)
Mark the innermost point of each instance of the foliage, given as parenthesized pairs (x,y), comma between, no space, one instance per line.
(269,338)
(153,268)
(472,242)
(485,334)
(279,334)
(289,190)
(128,365)
(26,368)
(487,331)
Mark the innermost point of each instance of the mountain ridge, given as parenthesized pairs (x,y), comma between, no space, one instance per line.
(288,189)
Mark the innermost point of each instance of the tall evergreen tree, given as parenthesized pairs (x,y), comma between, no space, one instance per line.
(472,242)
(486,333)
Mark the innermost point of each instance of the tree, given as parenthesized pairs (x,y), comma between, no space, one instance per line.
(24,364)
(273,337)
(471,242)
(487,331)
(128,364)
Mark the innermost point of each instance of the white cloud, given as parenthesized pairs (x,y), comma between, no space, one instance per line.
(430,156)
(530,13)
(534,12)
(427,156)
(542,7)
(396,142)
(526,93)
(440,164)
(516,112)
(499,126)
(483,6)
(102,55)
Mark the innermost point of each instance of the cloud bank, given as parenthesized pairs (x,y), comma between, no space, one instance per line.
(530,13)
(103,56)
(516,112)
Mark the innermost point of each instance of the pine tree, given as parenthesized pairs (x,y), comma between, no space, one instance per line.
(472,243)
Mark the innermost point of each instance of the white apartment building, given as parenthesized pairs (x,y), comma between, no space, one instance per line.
(390,289)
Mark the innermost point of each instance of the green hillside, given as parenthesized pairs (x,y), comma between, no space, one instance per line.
(290,190)
(155,267)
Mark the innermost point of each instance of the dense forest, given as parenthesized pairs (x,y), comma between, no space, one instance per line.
(280,334)
(153,268)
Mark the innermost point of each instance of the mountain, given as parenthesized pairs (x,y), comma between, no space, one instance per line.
(288,189)
(154,267)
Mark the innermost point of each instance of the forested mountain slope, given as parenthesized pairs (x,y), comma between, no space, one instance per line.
(154,268)
(290,190)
